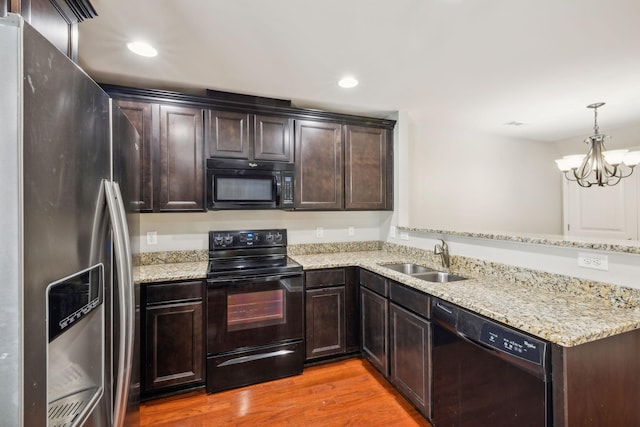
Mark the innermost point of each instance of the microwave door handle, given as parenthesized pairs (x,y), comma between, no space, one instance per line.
(278,187)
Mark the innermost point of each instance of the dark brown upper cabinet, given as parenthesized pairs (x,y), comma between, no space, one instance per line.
(140,114)
(319,158)
(248,136)
(332,175)
(367,168)
(181,162)
(171,155)
(342,162)
(57,20)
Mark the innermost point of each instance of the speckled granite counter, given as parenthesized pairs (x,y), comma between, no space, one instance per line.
(561,318)
(562,310)
(610,245)
(170,271)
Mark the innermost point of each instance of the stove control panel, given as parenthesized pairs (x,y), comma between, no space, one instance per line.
(247,238)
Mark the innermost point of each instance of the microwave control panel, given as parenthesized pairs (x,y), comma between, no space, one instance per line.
(287,190)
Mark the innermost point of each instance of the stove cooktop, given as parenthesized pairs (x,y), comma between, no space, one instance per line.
(244,253)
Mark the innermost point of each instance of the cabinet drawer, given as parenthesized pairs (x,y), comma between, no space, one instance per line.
(412,299)
(171,292)
(374,282)
(326,277)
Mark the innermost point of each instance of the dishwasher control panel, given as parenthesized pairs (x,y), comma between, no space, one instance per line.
(511,342)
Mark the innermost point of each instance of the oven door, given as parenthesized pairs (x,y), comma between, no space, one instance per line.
(242,189)
(252,312)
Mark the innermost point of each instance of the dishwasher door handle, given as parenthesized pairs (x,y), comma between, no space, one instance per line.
(478,344)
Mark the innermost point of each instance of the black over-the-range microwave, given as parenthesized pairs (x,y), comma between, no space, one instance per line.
(245,184)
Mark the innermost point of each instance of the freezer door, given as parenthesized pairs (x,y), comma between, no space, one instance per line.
(65,156)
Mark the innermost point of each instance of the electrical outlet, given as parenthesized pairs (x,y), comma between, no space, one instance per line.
(393,231)
(595,261)
(152,237)
(351,231)
(404,236)
(319,232)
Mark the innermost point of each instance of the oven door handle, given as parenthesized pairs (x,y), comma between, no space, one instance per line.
(254,357)
(214,283)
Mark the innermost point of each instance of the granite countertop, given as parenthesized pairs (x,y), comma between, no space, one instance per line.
(171,271)
(561,318)
(567,320)
(601,244)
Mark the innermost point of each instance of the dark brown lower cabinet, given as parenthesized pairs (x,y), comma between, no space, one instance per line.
(174,352)
(331,313)
(410,373)
(374,309)
(597,383)
(325,322)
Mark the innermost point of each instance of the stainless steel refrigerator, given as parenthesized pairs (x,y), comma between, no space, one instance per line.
(68,191)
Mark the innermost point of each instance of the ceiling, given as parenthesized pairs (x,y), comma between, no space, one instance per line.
(476,64)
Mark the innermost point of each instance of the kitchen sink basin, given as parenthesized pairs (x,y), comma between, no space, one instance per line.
(438,276)
(408,268)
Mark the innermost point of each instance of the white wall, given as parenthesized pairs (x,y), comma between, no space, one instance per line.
(482,190)
(187,231)
(468,181)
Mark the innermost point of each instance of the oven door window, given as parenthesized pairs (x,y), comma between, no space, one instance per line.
(255,309)
(242,188)
(254,312)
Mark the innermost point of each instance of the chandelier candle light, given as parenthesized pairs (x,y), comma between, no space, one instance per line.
(598,167)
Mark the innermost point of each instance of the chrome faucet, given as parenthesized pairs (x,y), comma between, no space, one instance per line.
(443,251)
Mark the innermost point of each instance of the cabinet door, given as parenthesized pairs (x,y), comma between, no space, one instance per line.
(272,138)
(181,159)
(366,171)
(410,357)
(140,115)
(227,134)
(319,162)
(374,310)
(174,345)
(325,329)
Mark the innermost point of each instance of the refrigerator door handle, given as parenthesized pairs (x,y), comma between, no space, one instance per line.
(126,298)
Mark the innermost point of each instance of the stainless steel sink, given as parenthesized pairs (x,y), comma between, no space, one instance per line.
(438,276)
(408,268)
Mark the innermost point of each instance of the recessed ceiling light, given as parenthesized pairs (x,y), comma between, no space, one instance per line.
(348,82)
(142,49)
(515,123)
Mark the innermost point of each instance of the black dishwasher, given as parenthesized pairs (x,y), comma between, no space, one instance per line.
(486,374)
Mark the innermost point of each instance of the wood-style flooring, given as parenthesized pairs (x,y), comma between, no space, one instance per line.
(344,393)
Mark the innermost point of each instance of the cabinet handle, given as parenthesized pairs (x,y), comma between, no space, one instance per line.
(443,308)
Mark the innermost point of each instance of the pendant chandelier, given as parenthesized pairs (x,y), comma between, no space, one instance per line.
(598,167)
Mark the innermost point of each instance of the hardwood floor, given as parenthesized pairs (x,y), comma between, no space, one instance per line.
(344,393)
